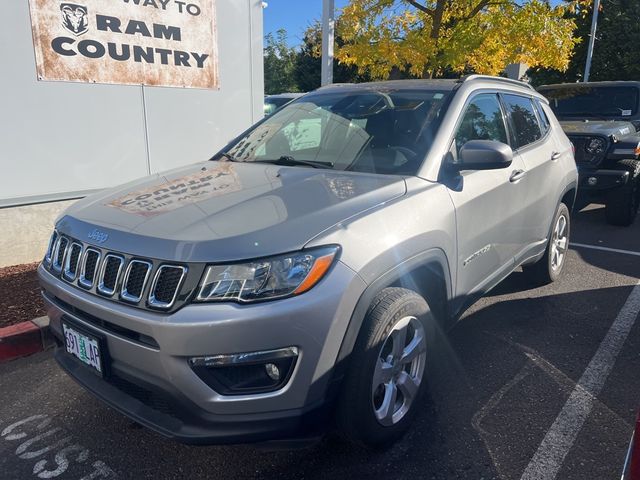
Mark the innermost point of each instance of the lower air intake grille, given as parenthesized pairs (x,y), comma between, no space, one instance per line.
(166,285)
(155,400)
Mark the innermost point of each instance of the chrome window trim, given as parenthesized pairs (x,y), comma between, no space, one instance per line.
(101,288)
(82,280)
(48,256)
(66,272)
(124,294)
(54,264)
(152,299)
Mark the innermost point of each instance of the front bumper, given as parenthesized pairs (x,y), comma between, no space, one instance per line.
(600,180)
(149,378)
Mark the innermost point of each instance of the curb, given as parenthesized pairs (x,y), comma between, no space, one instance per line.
(25,338)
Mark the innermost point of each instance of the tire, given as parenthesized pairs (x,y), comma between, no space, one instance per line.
(622,204)
(549,268)
(362,413)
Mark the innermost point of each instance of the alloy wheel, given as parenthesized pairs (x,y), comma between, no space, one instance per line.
(399,370)
(559,243)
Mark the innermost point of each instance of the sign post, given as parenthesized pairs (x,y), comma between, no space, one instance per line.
(328,33)
(592,39)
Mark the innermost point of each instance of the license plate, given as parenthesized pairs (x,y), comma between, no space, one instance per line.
(84,347)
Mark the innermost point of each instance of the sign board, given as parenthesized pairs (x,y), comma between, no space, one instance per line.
(151,42)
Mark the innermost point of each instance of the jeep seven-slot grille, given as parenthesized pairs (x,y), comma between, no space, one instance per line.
(50,249)
(110,273)
(165,285)
(141,282)
(580,143)
(59,253)
(72,260)
(135,280)
(89,267)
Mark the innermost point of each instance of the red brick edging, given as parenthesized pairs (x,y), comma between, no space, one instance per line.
(24,338)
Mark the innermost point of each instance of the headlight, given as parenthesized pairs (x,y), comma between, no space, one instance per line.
(268,278)
(595,146)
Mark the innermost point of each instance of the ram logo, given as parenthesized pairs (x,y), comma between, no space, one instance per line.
(98,236)
(74,18)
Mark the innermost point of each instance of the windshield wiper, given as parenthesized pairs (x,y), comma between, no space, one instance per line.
(227,156)
(288,160)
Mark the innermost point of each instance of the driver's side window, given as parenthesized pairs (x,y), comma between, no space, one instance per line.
(482,120)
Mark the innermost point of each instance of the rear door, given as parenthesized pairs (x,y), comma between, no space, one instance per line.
(534,143)
(487,202)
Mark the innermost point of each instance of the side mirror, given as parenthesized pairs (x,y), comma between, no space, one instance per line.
(484,155)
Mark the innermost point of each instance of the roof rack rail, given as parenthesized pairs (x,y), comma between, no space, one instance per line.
(329,85)
(520,83)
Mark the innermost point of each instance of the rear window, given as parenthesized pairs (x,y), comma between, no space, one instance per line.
(542,115)
(523,118)
(587,101)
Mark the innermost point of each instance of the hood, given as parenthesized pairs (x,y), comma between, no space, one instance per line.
(221,211)
(598,127)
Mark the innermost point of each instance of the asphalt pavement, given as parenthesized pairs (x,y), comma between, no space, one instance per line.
(536,383)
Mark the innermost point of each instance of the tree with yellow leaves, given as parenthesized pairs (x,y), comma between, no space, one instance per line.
(428,37)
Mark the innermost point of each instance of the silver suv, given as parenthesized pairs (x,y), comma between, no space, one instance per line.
(302,277)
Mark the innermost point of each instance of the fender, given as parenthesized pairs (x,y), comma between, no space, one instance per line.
(436,264)
(571,185)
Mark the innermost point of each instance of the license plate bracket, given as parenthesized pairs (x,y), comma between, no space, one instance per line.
(85,347)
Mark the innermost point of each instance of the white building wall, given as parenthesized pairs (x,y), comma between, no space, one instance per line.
(61,140)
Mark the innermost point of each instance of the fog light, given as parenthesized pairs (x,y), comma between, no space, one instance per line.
(246,373)
(592,181)
(273,371)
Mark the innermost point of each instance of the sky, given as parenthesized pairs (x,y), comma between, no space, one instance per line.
(294,16)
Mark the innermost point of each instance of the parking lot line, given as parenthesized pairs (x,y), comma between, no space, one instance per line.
(605,249)
(559,439)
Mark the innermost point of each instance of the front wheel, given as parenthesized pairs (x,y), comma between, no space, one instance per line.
(386,378)
(549,268)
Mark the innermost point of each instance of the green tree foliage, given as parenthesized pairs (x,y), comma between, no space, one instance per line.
(616,55)
(308,63)
(279,64)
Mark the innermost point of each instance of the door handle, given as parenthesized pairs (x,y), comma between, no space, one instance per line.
(517,175)
(555,156)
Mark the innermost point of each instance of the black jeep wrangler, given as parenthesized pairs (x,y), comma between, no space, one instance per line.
(602,119)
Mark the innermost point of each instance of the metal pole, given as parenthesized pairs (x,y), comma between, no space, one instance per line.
(592,39)
(328,25)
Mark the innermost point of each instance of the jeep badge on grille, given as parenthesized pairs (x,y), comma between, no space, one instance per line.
(98,236)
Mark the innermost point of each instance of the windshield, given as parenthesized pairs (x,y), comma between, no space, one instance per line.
(580,101)
(365,131)
(272,104)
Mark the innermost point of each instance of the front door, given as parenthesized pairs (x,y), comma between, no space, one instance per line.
(487,202)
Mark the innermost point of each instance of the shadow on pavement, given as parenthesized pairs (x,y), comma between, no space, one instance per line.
(482,354)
